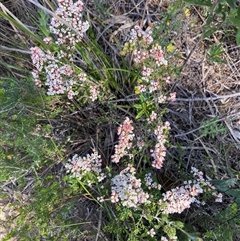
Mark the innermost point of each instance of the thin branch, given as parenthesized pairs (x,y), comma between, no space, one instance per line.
(15,50)
(209,98)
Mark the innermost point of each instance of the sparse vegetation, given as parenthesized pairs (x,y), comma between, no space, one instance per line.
(120,120)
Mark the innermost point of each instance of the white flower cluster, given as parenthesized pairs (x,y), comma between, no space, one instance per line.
(199,178)
(149,182)
(127,188)
(38,57)
(180,198)
(80,166)
(137,32)
(59,77)
(72,28)
(69,29)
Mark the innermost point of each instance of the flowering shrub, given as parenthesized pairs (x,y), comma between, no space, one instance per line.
(81,166)
(73,28)
(130,188)
(150,58)
(55,66)
(127,189)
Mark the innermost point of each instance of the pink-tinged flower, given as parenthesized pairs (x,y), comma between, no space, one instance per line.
(154,85)
(66,70)
(167,80)
(35,75)
(161,99)
(38,57)
(148,38)
(172,97)
(94,92)
(71,93)
(159,152)
(218,197)
(79,6)
(147,71)
(140,56)
(125,132)
(201,180)
(157,53)
(194,190)
(114,197)
(180,198)
(137,32)
(140,89)
(177,200)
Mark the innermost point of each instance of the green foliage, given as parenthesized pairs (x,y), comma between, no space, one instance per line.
(6,14)
(200,2)
(43,25)
(230,187)
(20,140)
(144,108)
(211,128)
(25,152)
(226,224)
(215,54)
(226,11)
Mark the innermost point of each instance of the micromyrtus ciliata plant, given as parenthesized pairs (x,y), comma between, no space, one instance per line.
(134,193)
(55,65)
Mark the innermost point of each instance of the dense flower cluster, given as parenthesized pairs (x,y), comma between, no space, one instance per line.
(157,54)
(67,24)
(59,76)
(180,198)
(137,32)
(159,152)
(149,56)
(80,166)
(38,57)
(68,28)
(94,92)
(125,132)
(127,189)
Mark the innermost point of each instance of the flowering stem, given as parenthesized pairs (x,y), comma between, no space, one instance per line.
(87,191)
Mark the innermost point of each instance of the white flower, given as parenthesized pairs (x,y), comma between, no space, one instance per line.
(151,232)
